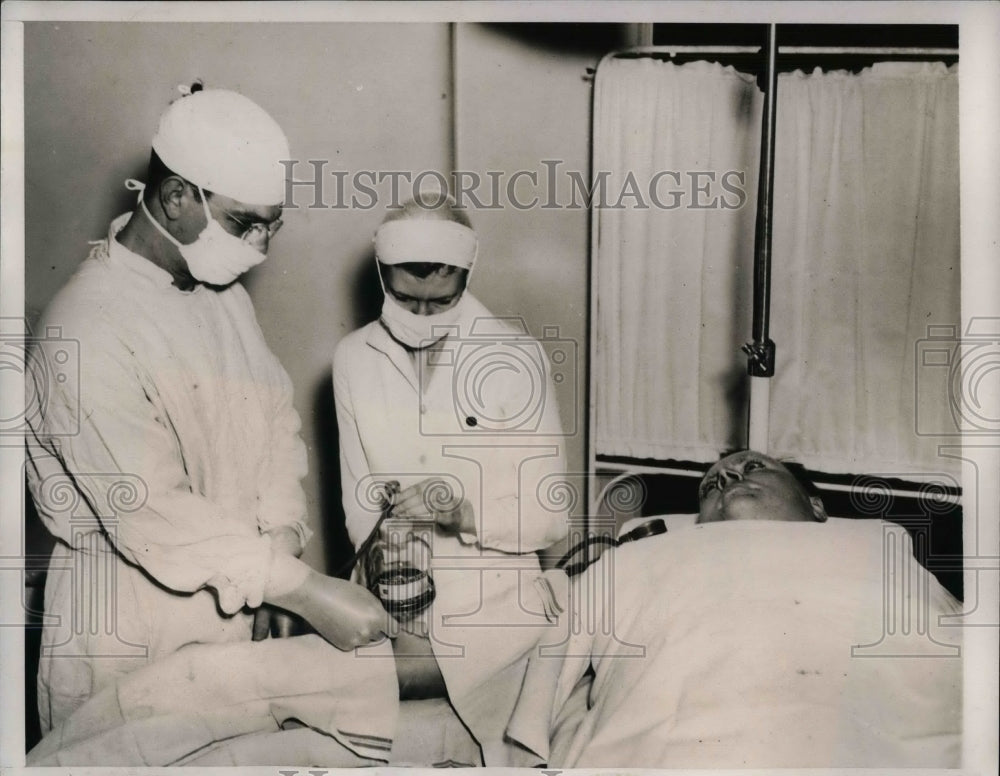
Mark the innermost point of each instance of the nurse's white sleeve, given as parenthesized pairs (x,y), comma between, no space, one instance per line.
(282,500)
(522,510)
(125,462)
(353,461)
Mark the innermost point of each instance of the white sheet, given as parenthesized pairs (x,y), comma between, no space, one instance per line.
(225,704)
(292,702)
(730,645)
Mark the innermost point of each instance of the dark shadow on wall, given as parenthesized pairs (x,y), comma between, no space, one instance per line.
(367,291)
(337,545)
(338,548)
(572,37)
(38,544)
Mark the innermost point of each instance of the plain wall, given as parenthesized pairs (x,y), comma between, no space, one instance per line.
(524,98)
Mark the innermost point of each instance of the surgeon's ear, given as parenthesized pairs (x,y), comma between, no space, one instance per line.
(172,190)
(819,511)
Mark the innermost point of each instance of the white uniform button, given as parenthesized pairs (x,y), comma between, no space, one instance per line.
(423,409)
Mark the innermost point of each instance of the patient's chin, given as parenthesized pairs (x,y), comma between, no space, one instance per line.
(747,509)
(741,505)
(732,517)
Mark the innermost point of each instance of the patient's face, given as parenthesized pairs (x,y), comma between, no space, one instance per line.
(753,486)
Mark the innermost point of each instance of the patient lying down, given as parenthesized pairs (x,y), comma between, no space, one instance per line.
(759,637)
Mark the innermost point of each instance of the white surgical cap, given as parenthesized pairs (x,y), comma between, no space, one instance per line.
(426,239)
(225,143)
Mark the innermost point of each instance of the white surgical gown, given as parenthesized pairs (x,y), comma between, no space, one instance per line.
(488,425)
(163,450)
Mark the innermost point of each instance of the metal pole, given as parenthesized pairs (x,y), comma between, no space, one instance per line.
(453,83)
(760,352)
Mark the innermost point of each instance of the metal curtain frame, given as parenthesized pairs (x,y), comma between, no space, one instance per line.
(761,351)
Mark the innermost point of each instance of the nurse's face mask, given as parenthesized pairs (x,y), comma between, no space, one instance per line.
(419,311)
(215,256)
(423,311)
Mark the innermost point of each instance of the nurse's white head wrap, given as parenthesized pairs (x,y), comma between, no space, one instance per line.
(426,240)
(224,143)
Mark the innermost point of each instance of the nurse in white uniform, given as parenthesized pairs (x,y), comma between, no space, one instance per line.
(458,407)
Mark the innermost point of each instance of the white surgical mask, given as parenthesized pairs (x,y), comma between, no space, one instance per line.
(419,331)
(216,256)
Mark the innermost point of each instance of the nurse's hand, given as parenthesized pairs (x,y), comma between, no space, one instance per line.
(433,499)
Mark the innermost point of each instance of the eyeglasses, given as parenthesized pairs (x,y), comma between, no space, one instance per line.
(249,230)
(258,230)
(254,231)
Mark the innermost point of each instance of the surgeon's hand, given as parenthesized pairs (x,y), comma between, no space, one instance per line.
(433,499)
(342,612)
(346,614)
(267,620)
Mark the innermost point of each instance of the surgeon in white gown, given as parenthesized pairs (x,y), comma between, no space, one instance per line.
(163,450)
(458,407)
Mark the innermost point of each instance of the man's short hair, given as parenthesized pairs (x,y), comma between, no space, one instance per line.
(157,172)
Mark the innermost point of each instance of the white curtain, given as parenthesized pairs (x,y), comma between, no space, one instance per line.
(671,284)
(865,257)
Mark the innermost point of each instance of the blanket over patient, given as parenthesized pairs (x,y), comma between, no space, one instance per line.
(754,644)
